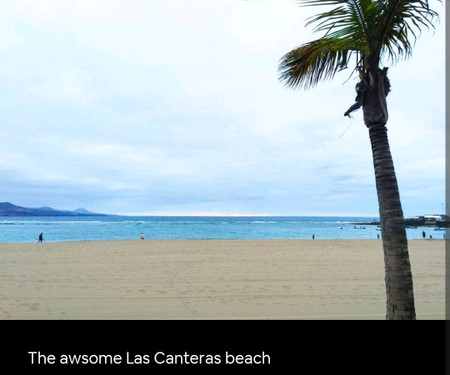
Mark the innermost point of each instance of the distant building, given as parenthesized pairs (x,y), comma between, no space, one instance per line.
(433,219)
(428,220)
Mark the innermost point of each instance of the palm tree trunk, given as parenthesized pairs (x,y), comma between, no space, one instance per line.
(398,275)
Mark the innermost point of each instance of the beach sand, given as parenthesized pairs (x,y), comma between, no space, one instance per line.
(211,279)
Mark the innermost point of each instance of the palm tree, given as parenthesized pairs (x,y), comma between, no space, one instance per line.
(371,31)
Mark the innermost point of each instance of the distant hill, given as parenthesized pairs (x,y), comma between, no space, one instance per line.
(9,209)
(82,211)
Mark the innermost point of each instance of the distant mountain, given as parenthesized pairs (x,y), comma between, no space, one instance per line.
(9,209)
(82,211)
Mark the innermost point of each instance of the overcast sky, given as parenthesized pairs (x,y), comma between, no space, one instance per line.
(159,107)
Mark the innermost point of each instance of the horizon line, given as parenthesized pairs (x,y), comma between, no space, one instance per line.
(239,215)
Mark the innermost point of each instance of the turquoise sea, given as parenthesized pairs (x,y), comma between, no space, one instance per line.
(27,229)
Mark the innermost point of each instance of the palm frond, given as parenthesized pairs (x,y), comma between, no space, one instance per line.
(389,27)
(367,28)
(315,61)
(349,18)
(400,24)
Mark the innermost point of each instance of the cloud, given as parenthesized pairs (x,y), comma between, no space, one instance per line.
(175,108)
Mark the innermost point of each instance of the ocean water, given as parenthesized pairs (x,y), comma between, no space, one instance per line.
(27,229)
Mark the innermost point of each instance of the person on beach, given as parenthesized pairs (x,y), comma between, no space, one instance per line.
(142,236)
(424,234)
(41,238)
(313,236)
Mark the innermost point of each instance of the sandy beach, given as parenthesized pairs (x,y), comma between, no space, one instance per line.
(211,279)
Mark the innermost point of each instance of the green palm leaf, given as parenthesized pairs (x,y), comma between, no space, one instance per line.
(315,61)
(401,22)
(383,28)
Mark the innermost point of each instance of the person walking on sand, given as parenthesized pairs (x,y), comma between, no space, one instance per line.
(142,236)
(313,236)
(41,238)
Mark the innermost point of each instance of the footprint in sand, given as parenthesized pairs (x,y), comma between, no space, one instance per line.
(31,306)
